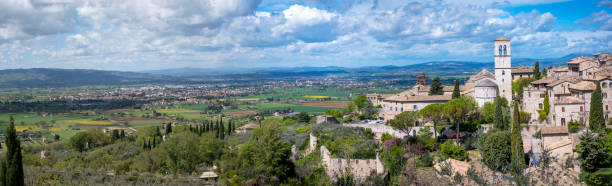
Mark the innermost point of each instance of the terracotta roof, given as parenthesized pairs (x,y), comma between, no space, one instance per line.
(561,69)
(580,59)
(485,83)
(484,73)
(425,88)
(502,39)
(583,85)
(522,70)
(402,98)
(548,130)
(546,80)
(568,100)
(563,79)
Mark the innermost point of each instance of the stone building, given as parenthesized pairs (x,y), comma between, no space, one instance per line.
(569,90)
(483,86)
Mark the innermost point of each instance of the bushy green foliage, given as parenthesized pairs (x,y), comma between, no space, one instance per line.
(495,149)
(434,113)
(450,150)
(544,112)
(404,121)
(345,142)
(592,151)
(436,87)
(600,177)
(573,126)
(519,84)
(536,70)
(334,113)
(89,139)
(487,111)
(394,160)
(501,113)
(458,110)
(303,117)
(385,136)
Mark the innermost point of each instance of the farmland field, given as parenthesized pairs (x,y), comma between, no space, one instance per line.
(175,111)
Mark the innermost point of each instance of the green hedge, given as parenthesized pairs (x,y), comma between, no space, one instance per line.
(603,176)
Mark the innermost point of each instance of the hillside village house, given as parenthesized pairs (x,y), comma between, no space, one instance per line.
(483,86)
(569,90)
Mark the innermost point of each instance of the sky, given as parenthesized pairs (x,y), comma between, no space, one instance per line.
(138,35)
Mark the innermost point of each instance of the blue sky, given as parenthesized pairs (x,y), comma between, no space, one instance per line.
(159,34)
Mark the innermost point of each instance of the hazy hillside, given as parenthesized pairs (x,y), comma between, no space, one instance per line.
(43,77)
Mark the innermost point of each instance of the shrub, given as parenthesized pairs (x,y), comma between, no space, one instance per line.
(573,126)
(543,115)
(600,177)
(385,136)
(495,149)
(450,150)
(524,117)
(426,160)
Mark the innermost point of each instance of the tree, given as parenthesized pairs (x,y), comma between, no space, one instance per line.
(495,149)
(211,148)
(536,70)
(436,87)
(265,155)
(592,151)
(303,117)
(12,168)
(544,112)
(487,111)
(596,117)
(404,121)
(222,131)
(457,110)
(360,102)
(456,90)
(517,140)
(168,128)
(182,150)
(501,105)
(434,113)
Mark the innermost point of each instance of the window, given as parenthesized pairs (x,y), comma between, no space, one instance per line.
(604,95)
(402,109)
(581,109)
(505,51)
(542,95)
(562,121)
(562,109)
(604,85)
(503,72)
(414,107)
(541,106)
(606,107)
(500,50)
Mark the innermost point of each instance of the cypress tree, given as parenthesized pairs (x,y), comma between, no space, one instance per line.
(536,70)
(222,131)
(456,90)
(596,119)
(13,166)
(436,87)
(517,140)
(154,142)
(216,130)
(122,134)
(499,120)
(169,128)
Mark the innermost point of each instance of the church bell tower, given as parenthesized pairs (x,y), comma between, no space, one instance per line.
(503,67)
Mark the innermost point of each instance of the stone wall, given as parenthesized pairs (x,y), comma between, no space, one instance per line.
(360,168)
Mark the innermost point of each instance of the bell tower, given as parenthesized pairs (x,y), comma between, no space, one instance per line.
(503,67)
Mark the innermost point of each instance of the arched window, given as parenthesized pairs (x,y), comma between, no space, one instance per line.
(505,51)
(500,50)
(604,85)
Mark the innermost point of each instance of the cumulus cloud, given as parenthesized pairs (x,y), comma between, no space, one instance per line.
(21,19)
(154,34)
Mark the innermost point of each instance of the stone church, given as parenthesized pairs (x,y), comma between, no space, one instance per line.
(483,86)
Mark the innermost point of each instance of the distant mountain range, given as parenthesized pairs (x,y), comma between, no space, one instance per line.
(47,77)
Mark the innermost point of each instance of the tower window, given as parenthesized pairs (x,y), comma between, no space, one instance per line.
(505,51)
(500,50)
